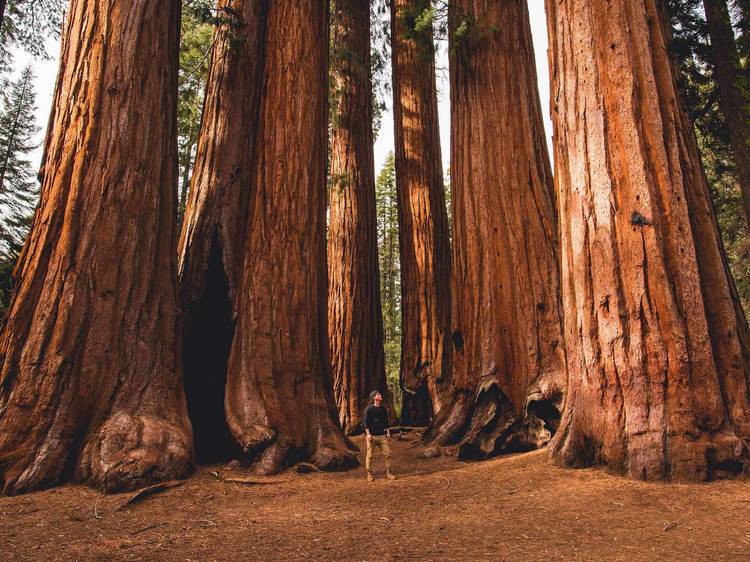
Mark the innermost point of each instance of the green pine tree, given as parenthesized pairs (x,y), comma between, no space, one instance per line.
(27,24)
(390,272)
(18,186)
(196,41)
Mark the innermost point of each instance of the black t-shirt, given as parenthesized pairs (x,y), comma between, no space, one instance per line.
(376,419)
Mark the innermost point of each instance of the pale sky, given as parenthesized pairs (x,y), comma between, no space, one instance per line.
(46,71)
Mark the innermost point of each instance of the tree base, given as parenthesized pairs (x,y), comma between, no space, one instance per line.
(488,426)
(128,452)
(654,456)
(268,454)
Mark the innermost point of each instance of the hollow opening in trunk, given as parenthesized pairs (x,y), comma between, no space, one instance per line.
(208,340)
(547,411)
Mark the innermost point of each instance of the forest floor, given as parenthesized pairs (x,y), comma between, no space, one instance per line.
(512,508)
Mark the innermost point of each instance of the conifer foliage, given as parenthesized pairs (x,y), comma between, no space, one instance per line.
(18,186)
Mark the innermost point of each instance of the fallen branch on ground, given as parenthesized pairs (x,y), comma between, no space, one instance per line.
(143,493)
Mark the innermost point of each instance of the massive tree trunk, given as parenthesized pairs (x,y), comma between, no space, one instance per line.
(656,340)
(279,401)
(509,369)
(423,220)
(212,244)
(734,99)
(355,319)
(91,387)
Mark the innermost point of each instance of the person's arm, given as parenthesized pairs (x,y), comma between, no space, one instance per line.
(368,435)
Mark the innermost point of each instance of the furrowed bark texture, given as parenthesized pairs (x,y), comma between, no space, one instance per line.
(212,244)
(91,386)
(509,369)
(657,343)
(279,401)
(423,219)
(734,98)
(355,319)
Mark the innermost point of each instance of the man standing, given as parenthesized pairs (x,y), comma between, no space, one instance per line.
(377,434)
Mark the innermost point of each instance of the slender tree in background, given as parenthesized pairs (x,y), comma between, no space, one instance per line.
(355,321)
(279,400)
(196,42)
(212,243)
(386,202)
(18,186)
(734,96)
(656,340)
(699,92)
(509,370)
(91,385)
(425,245)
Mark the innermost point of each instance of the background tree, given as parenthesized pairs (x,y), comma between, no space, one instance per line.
(656,340)
(18,187)
(279,400)
(212,242)
(424,238)
(699,91)
(733,89)
(27,24)
(386,203)
(509,370)
(90,387)
(196,40)
(355,322)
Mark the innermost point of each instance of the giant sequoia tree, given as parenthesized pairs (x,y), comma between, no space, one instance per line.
(656,341)
(508,363)
(423,221)
(212,244)
(91,385)
(355,322)
(279,404)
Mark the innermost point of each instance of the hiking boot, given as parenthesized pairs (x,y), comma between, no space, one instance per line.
(390,476)
(370,477)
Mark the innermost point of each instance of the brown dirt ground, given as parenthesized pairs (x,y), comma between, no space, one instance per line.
(513,508)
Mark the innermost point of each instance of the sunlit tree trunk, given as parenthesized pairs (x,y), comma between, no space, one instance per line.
(355,320)
(279,400)
(656,340)
(91,387)
(212,244)
(423,221)
(509,370)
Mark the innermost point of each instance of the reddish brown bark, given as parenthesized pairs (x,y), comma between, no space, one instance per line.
(509,370)
(91,385)
(423,220)
(355,320)
(656,340)
(734,98)
(279,401)
(212,244)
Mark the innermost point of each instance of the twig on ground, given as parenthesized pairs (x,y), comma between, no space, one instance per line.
(143,493)
(149,527)
(251,481)
(670,526)
(96,510)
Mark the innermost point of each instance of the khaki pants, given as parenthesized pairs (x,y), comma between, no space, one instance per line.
(382,443)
